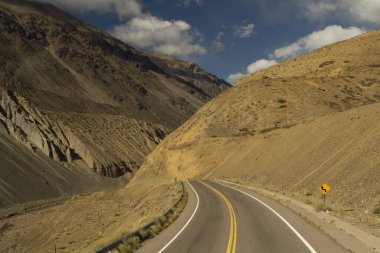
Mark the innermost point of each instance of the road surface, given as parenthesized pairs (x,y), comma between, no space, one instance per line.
(220,218)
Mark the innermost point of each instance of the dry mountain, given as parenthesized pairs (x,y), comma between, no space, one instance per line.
(306,121)
(83,98)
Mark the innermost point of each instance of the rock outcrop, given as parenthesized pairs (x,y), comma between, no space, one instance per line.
(30,126)
(36,130)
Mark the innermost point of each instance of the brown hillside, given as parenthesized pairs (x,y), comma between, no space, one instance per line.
(290,128)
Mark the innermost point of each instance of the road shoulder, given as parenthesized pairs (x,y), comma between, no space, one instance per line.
(342,232)
(161,239)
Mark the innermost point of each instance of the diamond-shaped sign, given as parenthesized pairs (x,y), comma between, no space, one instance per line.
(324,188)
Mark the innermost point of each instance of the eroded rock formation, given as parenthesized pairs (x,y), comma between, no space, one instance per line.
(30,126)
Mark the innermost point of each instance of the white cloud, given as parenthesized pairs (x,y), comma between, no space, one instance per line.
(317,39)
(182,50)
(244,30)
(320,9)
(217,44)
(167,37)
(123,8)
(187,3)
(366,10)
(252,68)
(233,78)
(359,10)
(260,65)
(143,30)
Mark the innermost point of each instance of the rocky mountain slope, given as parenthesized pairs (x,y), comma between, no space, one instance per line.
(309,120)
(74,93)
(28,176)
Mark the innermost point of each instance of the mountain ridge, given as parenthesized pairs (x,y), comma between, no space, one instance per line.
(75,92)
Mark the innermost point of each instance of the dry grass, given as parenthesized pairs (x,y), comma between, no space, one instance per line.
(322,208)
(129,245)
(85,223)
(132,242)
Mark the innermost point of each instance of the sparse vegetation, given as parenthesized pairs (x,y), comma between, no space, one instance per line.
(308,193)
(133,241)
(308,202)
(368,82)
(322,208)
(376,209)
(129,245)
(334,105)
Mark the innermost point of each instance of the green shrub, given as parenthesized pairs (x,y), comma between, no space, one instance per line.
(376,210)
(132,243)
(155,229)
(129,245)
(144,234)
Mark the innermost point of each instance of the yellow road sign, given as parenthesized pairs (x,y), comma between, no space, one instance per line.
(324,188)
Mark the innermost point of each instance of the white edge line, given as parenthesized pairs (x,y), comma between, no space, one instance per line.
(282,218)
(187,223)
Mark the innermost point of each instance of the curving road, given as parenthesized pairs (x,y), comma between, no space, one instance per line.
(220,218)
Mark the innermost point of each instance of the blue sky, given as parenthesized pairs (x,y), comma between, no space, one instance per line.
(228,38)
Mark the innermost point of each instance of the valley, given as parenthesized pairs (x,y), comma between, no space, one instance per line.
(97,139)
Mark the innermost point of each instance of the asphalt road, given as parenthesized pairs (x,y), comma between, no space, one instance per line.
(221,218)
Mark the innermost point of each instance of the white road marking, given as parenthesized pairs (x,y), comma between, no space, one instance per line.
(282,218)
(187,223)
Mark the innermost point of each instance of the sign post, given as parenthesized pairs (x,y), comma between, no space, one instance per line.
(324,189)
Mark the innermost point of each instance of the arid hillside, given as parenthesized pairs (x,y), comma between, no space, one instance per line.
(50,179)
(77,95)
(86,222)
(309,120)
